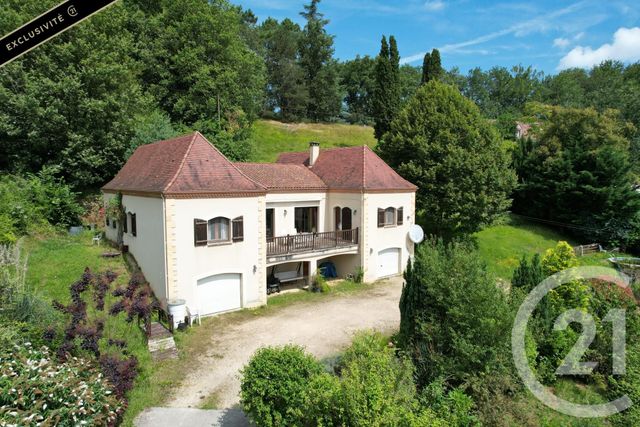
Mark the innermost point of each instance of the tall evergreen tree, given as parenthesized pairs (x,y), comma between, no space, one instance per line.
(432,67)
(286,89)
(387,91)
(316,58)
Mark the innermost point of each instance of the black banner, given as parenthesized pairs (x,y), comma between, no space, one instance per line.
(46,26)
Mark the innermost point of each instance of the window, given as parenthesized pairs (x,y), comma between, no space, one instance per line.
(126,222)
(134,226)
(306,220)
(238,229)
(218,229)
(390,216)
(400,220)
(106,218)
(386,217)
(114,224)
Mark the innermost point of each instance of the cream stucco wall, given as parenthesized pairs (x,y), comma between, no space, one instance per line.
(376,239)
(148,245)
(192,263)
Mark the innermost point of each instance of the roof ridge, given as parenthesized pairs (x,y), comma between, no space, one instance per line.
(182,162)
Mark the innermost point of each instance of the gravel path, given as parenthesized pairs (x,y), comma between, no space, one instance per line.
(324,328)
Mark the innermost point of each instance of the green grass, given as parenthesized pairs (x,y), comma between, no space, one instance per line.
(273,138)
(502,246)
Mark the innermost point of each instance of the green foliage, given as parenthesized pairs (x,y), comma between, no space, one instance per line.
(578,172)
(70,103)
(440,142)
(36,389)
(320,283)
(358,276)
(152,127)
(286,91)
(528,275)
(387,91)
(431,67)
(320,71)
(30,203)
(274,384)
(560,258)
(357,80)
(453,406)
(377,388)
(454,321)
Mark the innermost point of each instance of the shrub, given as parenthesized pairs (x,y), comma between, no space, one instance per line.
(35,389)
(454,321)
(528,275)
(275,383)
(558,259)
(358,276)
(320,283)
(377,387)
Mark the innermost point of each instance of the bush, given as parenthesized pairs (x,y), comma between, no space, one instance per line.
(37,390)
(377,387)
(455,322)
(560,258)
(528,275)
(275,385)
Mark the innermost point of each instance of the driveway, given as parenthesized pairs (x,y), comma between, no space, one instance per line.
(323,328)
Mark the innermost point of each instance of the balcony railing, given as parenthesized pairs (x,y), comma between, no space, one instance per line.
(309,242)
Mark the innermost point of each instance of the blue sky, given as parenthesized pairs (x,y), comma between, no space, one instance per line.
(549,35)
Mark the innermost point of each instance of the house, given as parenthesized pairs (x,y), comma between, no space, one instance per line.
(522,130)
(212,232)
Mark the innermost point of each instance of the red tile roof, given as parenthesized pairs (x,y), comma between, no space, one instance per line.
(353,168)
(282,177)
(186,165)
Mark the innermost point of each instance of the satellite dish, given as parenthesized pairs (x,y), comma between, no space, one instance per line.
(416,234)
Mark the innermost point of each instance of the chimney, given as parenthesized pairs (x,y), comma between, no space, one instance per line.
(314,152)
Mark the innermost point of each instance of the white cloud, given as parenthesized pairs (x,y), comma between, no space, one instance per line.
(536,24)
(625,47)
(434,5)
(561,42)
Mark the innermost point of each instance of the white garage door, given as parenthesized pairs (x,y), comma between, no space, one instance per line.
(219,293)
(388,262)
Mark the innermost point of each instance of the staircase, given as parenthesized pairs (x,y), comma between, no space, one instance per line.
(160,343)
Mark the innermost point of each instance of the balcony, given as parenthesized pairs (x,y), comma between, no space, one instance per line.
(311,242)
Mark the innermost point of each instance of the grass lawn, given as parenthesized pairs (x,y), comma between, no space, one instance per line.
(502,246)
(57,261)
(273,138)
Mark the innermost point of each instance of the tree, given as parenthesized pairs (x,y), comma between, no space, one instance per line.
(454,321)
(286,90)
(316,58)
(432,67)
(358,83)
(386,95)
(578,173)
(441,143)
(71,103)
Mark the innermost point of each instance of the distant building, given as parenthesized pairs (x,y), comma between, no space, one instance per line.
(522,130)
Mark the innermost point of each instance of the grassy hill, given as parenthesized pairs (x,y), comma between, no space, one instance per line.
(273,138)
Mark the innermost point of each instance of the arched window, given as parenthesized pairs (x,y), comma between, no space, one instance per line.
(337,217)
(346,219)
(390,216)
(218,229)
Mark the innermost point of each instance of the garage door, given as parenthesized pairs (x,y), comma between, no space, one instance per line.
(219,293)
(388,262)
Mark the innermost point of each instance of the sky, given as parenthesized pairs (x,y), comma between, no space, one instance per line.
(550,35)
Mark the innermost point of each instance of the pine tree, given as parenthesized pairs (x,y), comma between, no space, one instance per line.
(432,67)
(386,96)
(316,58)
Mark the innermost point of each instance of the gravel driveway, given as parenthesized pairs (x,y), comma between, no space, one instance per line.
(323,327)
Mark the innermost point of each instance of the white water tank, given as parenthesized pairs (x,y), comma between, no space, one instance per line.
(178,309)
